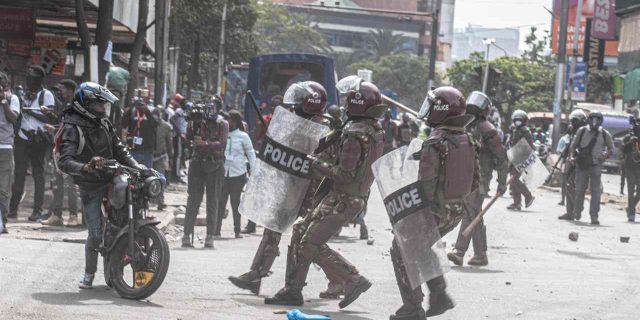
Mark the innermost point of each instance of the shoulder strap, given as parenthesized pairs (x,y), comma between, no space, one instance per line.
(81,141)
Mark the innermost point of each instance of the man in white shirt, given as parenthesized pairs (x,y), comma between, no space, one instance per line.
(33,142)
(10,105)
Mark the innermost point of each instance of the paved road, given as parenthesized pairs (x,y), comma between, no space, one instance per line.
(535,272)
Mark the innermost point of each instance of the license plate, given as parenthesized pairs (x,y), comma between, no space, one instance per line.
(142,278)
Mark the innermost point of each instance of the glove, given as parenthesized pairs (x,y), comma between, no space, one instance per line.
(96,163)
(296,314)
(502,189)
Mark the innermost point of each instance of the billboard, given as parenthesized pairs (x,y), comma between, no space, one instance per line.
(579,88)
(588,11)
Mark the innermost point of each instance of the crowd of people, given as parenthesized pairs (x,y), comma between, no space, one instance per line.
(462,146)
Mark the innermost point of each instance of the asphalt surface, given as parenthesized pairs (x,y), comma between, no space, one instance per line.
(535,272)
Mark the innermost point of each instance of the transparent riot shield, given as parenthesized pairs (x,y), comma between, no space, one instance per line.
(414,226)
(278,183)
(524,159)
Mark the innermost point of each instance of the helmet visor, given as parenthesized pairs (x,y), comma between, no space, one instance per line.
(426,105)
(479,100)
(347,84)
(296,93)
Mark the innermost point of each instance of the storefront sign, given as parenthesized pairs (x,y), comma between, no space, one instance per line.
(604,20)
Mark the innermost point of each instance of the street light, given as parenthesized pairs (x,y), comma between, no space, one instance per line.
(488,42)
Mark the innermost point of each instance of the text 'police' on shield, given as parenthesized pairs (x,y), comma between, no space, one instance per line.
(284,158)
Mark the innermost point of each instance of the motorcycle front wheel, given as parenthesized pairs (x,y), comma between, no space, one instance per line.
(137,276)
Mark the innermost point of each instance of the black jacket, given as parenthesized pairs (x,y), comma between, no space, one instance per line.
(100,139)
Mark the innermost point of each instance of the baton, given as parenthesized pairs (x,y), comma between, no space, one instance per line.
(255,106)
(477,219)
(553,170)
(400,105)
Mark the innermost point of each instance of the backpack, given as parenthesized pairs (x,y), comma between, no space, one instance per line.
(57,143)
(41,94)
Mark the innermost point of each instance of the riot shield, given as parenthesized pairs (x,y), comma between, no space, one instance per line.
(278,183)
(533,172)
(414,226)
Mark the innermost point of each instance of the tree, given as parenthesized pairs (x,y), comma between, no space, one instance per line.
(536,47)
(196,29)
(521,85)
(104,29)
(600,86)
(279,30)
(384,42)
(138,43)
(404,74)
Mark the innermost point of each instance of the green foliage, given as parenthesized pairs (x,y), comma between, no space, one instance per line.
(383,42)
(406,75)
(535,52)
(521,85)
(600,86)
(279,30)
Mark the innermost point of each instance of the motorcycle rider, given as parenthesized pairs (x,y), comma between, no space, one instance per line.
(359,145)
(631,151)
(308,100)
(578,119)
(519,131)
(208,134)
(492,156)
(448,158)
(85,141)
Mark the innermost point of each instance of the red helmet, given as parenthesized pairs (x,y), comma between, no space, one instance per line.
(363,98)
(309,95)
(445,106)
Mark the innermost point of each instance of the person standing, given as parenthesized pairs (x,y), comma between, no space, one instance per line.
(206,171)
(631,151)
(360,144)
(406,131)
(10,104)
(180,124)
(390,131)
(238,153)
(592,146)
(139,130)
(578,119)
(32,141)
(163,150)
(448,158)
(301,97)
(492,156)
(63,182)
(518,188)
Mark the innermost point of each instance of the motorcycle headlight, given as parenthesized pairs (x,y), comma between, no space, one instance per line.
(153,187)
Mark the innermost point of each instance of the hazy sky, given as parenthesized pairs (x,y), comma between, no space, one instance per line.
(504,13)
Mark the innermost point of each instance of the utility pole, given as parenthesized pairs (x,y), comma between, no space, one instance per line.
(433,51)
(560,69)
(574,60)
(485,80)
(221,48)
(161,50)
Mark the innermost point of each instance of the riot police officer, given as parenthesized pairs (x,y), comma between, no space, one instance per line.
(631,151)
(207,131)
(492,156)
(308,100)
(448,158)
(519,131)
(360,144)
(578,119)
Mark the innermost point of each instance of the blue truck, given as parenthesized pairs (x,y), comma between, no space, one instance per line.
(270,75)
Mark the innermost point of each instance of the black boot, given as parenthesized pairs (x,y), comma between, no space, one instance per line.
(248,281)
(439,300)
(287,296)
(354,290)
(439,303)
(456,257)
(405,313)
(364,232)
(186,241)
(566,216)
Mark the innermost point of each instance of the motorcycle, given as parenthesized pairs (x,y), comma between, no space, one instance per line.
(135,253)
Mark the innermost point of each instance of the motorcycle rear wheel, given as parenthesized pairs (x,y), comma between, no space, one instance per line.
(151,259)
